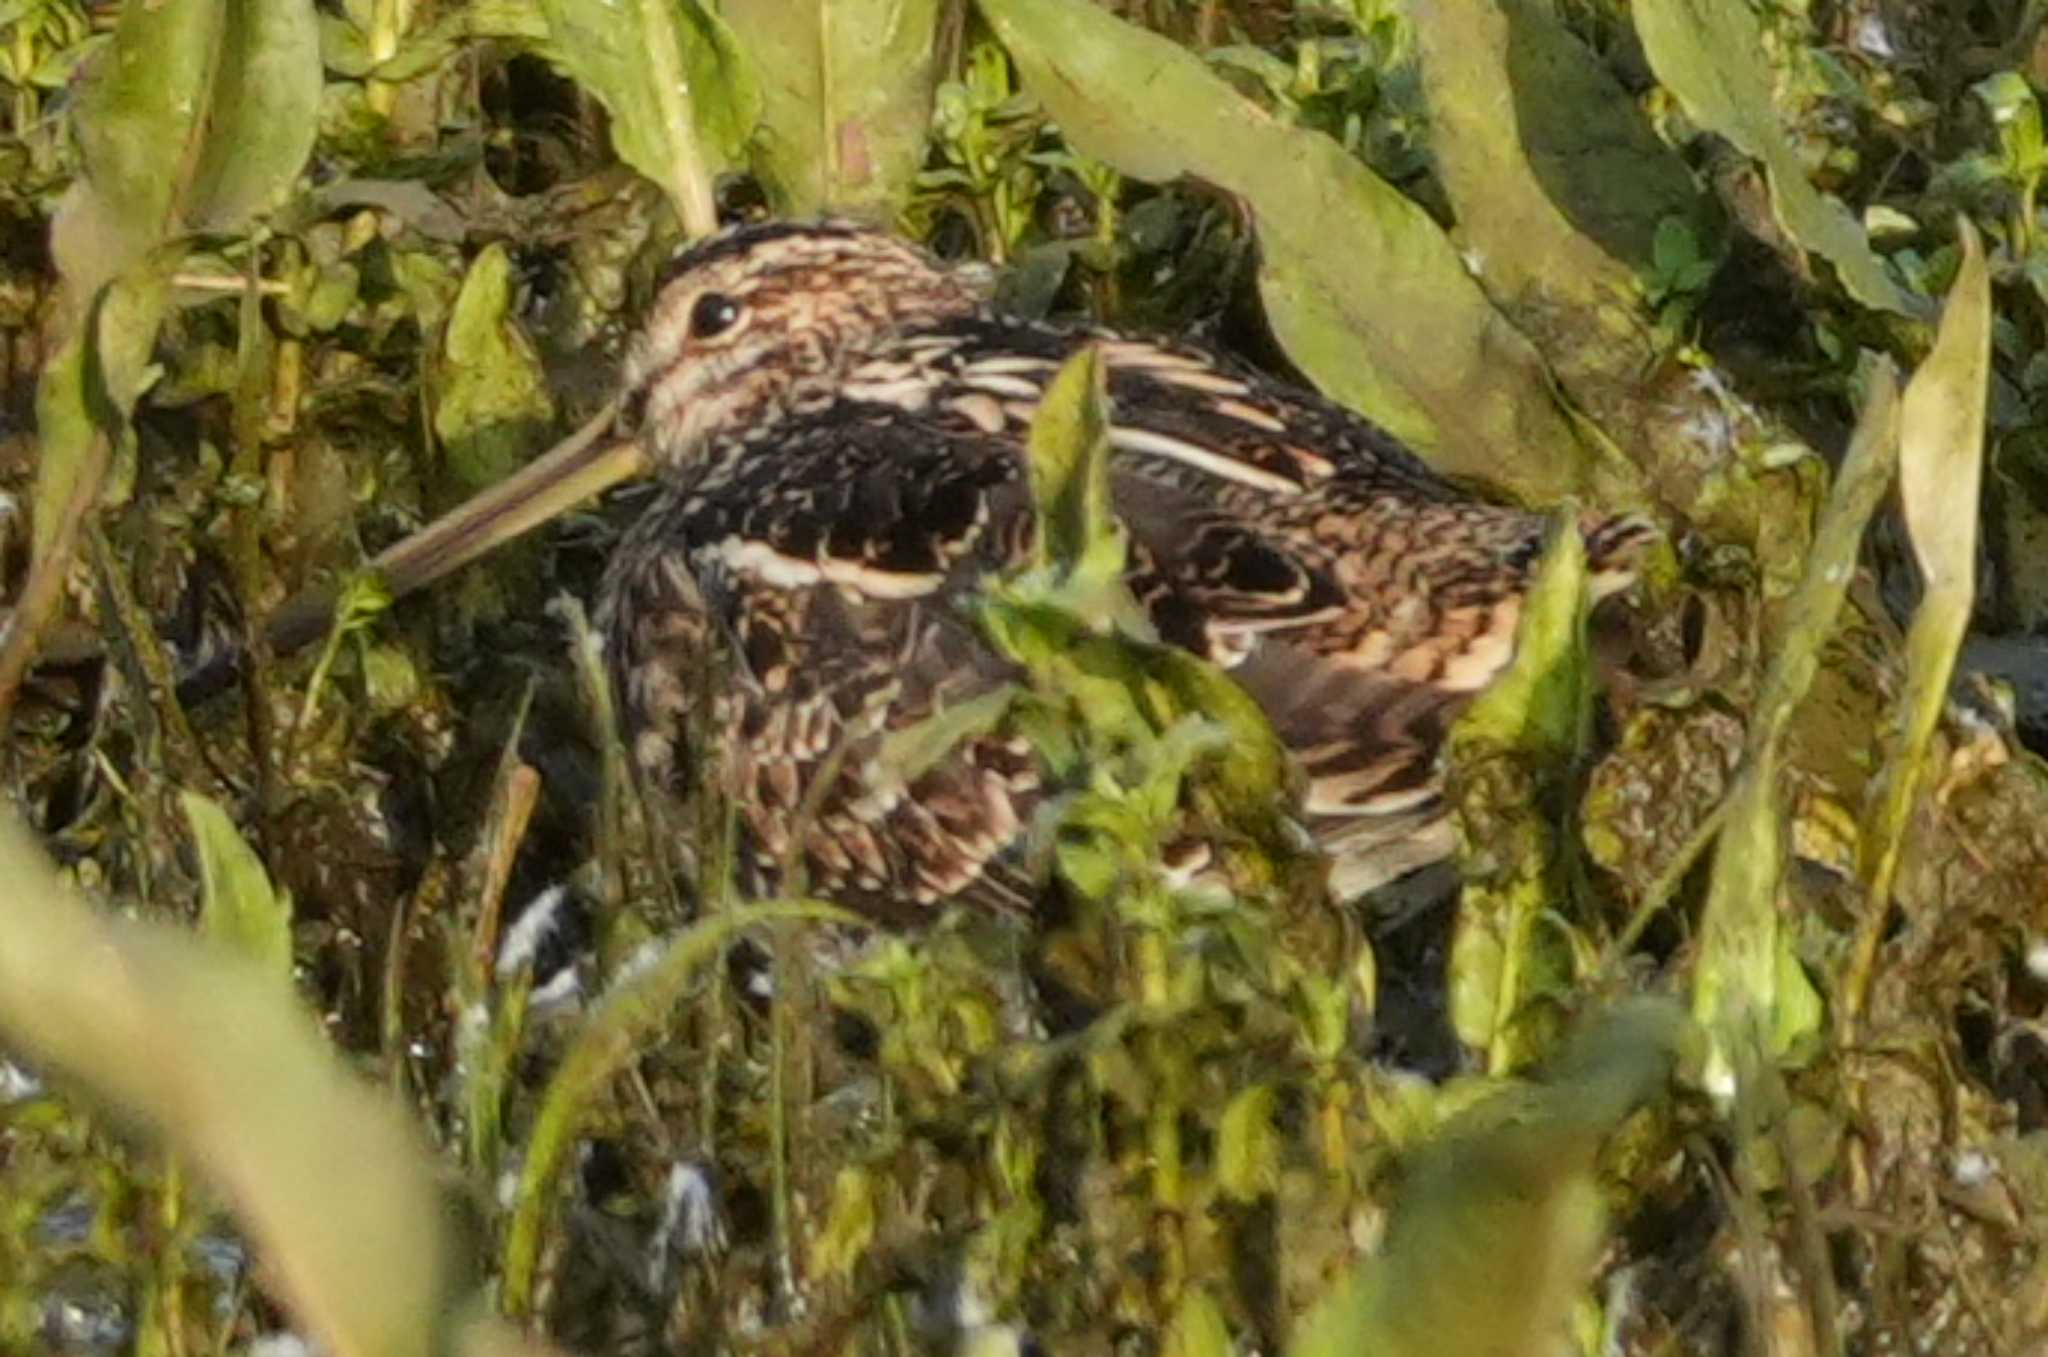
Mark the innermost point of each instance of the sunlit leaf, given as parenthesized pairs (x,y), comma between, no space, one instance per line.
(846,95)
(1708,54)
(239,907)
(197,114)
(1499,1220)
(1197,1328)
(1941,467)
(1069,451)
(1531,722)
(1248,1145)
(1363,289)
(1560,188)
(909,753)
(491,405)
(1740,982)
(849,1225)
(216,1051)
(682,98)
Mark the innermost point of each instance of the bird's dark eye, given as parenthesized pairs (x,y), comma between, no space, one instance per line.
(713,315)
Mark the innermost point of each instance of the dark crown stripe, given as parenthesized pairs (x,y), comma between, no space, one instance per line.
(734,241)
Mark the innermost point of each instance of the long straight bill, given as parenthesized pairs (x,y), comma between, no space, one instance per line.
(584,465)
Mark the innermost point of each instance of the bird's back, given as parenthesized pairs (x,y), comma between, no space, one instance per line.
(800,599)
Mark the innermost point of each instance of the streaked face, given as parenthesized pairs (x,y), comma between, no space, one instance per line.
(748,325)
(756,322)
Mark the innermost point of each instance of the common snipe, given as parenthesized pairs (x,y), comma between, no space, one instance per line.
(839,424)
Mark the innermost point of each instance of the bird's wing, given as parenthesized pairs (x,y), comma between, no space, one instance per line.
(800,612)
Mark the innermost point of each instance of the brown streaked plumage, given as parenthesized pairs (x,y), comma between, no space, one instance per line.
(840,423)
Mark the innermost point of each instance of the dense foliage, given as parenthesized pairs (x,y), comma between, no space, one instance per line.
(279,282)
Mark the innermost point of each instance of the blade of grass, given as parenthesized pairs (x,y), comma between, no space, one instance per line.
(239,906)
(1941,466)
(1748,993)
(631,1013)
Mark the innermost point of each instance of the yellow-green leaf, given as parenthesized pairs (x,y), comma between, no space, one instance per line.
(491,405)
(849,1226)
(1941,467)
(846,96)
(1739,996)
(1197,1328)
(194,116)
(238,905)
(1498,1223)
(1709,54)
(1363,289)
(682,98)
(1560,187)
(1247,1146)
(1069,452)
(215,1051)
(1529,726)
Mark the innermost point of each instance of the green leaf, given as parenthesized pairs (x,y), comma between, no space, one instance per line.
(84,397)
(1941,467)
(682,99)
(216,1052)
(1366,293)
(1707,53)
(1739,996)
(1498,1222)
(238,906)
(195,116)
(848,1231)
(1524,731)
(846,96)
(629,1016)
(1542,702)
(1197,1328)
(1675,248)
(1248,1145)
(909,753)
(1069,452)
(1562,191)
(2011,103)
(491,404)
(261,114)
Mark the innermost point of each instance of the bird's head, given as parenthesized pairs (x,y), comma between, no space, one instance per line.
(759,321)
(748,325)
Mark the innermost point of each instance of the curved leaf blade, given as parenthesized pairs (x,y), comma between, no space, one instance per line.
(846,98)
(1560,187)
(1941,471)
(1365,292)
(263,113)
(195,115)
(682,98)
(217,1052)
(1705,53)
(238,904)
(1748,992)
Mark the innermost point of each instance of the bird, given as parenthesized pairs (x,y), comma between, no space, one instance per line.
(837,422)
